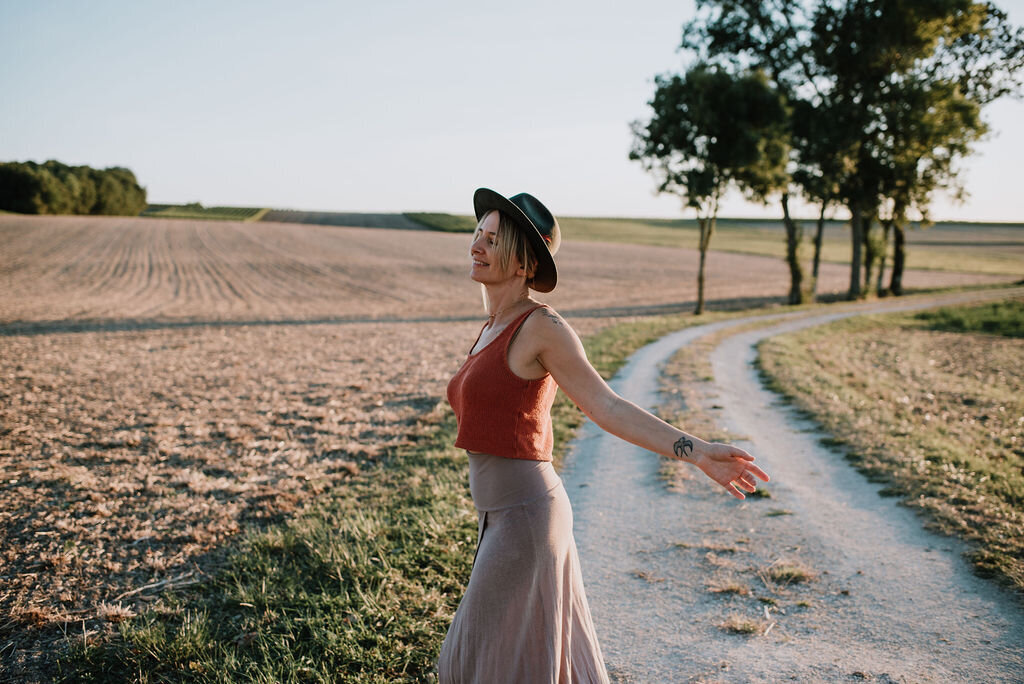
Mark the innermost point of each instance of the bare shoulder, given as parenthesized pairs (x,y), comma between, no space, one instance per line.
(550,317)
(545,318)
(547,325)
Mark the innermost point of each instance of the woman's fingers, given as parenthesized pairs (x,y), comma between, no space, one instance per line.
(731,488)
(740,453)
(757,472)
(746,480)
(729,460)
(746,484)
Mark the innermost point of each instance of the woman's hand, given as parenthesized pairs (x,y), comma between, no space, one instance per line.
(729,466)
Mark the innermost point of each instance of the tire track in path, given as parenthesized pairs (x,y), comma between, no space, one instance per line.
(892,602)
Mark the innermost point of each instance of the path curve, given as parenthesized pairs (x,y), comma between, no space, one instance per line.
(893,602)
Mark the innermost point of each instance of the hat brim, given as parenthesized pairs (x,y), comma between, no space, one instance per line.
(546,277)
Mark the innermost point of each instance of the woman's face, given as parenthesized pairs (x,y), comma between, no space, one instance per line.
(486,268)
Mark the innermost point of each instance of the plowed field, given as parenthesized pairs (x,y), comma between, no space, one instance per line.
(164,384)
(85,271)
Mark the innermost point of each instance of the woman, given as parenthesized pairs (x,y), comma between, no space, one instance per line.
(524,617)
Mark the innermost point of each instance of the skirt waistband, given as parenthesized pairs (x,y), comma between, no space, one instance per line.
(497,482)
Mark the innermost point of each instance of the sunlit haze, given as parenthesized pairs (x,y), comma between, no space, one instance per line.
(376,106)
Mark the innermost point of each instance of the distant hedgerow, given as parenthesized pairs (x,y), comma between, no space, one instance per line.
(449,223)
(56,188)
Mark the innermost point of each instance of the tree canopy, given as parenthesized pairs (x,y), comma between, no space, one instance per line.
(711,128)
(56,188)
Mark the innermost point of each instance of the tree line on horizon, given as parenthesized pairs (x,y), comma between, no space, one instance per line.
(56,188)
(866,104)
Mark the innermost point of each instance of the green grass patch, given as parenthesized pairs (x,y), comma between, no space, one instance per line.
(448,223)
(196,210)
(740,624)
(789,573)
(933,414)
(1004,318)
(360,587)
(945,247)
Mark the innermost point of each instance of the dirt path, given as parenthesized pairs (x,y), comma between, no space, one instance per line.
(890,601)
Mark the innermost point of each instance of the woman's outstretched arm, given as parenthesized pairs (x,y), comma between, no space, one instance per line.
(560,352)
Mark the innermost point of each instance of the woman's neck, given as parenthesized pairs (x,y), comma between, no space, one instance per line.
(501,302)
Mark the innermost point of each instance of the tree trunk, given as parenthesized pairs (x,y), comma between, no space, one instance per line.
(703,223)
(794,234)
(856,243)
(870,255)
(899,258)
(817,249)
(883,248)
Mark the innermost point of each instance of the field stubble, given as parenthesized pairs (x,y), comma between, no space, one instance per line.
(134,447)
(126,456)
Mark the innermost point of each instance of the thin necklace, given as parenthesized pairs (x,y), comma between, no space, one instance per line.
(490,319)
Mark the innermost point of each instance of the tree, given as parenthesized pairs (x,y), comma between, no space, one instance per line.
(119,193)
(774,37)
(21,189)
(710,129)
(841,66)
(55,188)
(934,115)
(912,78)
(929,126)
(818,170)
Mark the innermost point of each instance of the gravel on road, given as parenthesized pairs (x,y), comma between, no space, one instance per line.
(833,582)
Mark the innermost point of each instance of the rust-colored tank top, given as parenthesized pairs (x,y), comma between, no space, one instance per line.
(498,412)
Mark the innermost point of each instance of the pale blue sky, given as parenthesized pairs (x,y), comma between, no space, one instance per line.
(375,106)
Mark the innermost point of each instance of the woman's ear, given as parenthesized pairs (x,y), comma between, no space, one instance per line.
(521,270)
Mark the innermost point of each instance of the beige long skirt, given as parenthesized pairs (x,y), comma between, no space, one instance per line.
(524,617)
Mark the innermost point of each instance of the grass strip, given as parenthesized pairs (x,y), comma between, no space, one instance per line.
(199,212)
(360,587)
(1004,318)
(448,223)
(937,415)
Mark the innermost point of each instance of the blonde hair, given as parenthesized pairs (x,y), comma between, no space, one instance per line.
(510,242)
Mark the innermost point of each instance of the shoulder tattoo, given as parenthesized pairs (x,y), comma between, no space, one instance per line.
(555,318)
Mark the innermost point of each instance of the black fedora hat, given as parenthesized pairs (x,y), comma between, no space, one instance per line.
(538,225)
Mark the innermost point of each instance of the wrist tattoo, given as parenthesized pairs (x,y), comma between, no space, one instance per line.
(683,448)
